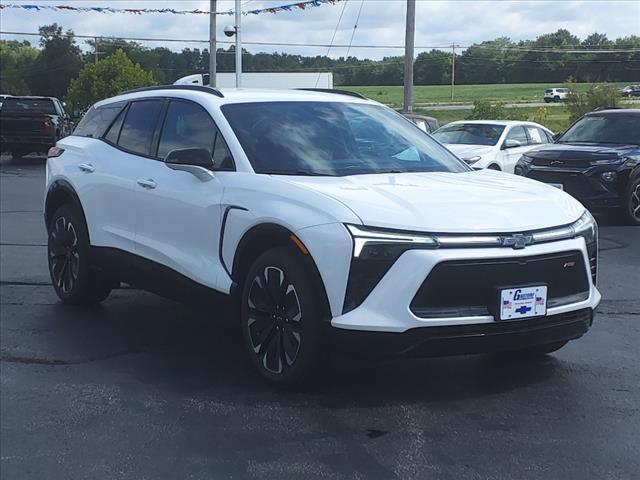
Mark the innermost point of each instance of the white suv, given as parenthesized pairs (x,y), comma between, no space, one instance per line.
(330,220)
(556,94)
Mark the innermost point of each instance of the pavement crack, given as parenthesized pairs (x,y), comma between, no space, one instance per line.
(8,358)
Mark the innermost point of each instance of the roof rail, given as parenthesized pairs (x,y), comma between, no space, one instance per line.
(335,91)
(197,88)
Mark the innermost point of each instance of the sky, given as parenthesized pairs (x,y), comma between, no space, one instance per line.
(438,23)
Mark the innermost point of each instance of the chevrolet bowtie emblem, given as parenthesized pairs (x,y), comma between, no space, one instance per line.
(516,241)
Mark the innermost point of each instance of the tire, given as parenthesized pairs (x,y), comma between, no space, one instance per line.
(72,276)
(281,316)
(547,100)
(632,203)
(556,99)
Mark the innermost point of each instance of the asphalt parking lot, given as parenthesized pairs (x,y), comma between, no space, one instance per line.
(143,388)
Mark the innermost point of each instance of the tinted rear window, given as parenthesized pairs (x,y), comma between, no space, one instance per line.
(97,120)
(139,126)
(28,106)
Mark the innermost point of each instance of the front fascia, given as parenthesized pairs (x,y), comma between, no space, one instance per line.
(386,309)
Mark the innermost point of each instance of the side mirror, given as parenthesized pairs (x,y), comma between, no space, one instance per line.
(510,143)
(197,161)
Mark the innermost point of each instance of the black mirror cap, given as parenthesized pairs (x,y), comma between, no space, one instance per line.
(199,157)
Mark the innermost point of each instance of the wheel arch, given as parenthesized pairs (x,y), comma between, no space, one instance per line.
(265,236)
(61,192)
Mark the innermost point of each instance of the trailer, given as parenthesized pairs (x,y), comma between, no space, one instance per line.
(286,80)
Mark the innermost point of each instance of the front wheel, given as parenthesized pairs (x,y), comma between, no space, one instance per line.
(73,278)
(281,315)
(632,204)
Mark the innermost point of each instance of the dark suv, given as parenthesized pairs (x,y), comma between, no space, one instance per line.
(597,160)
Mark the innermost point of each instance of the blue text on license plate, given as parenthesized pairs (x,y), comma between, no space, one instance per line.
(523,302)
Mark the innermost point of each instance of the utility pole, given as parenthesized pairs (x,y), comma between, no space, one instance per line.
(95,47)
(408,55)
(453,70)
(212,42)
(238,46)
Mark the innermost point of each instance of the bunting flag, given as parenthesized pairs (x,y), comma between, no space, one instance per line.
(140,11)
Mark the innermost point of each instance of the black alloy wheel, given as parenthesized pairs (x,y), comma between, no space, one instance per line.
(633,203)
(64,257)
(74,279)
(275,330)
(281,317)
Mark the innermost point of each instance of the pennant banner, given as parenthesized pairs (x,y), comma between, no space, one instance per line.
(139,11)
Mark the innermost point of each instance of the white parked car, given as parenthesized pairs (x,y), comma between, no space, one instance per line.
(494,144)
(330,221)
(556,94)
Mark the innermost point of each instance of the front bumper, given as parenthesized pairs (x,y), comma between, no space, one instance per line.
(586,186)
(466,339)
(388,307)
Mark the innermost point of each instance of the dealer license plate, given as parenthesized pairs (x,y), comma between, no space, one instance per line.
(523,302)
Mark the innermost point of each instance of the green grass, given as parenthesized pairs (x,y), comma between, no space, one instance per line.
(557,117)
(514,92)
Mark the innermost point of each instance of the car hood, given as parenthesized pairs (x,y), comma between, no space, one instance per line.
(466,151)
(576,155)
(472,202)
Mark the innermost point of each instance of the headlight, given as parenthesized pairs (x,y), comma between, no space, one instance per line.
(525,159)
(380,244)
(586,227)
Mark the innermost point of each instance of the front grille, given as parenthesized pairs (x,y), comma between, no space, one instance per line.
(469,288)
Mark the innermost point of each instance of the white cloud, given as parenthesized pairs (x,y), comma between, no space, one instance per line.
(438,23)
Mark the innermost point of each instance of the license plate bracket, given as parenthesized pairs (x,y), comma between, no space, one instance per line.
(525,301)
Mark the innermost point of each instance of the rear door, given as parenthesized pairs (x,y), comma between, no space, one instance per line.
(180,214)
(110,172)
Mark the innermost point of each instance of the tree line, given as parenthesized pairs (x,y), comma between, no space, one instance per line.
(49,68)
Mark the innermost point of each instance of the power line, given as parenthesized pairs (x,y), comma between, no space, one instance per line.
(334,36)
(546,49)
(353,34)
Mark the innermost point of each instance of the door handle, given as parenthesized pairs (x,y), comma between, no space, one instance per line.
(86,167)
(150,184)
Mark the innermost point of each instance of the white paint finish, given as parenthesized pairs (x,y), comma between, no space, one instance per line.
(178,222)
(330,245)
(106,193)
(474,202)
(504,158)
(386,309)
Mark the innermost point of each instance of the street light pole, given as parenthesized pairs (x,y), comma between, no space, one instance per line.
(408,55)
(212,42)
(238,46)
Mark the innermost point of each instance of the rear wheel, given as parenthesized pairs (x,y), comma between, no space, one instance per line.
(281,315)
(556,99)
(73,278)
(632,204)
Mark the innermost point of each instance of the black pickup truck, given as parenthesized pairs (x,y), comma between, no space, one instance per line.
(32,124)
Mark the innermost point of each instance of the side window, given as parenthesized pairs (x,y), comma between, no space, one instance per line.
(186,125)
(517,133)
(139,126)
(537,136)
(97,120)
(114,132)
(222,159)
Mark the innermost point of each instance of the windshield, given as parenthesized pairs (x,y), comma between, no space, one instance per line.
(470,133)
(616,129)
(28,106)
(334,138)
